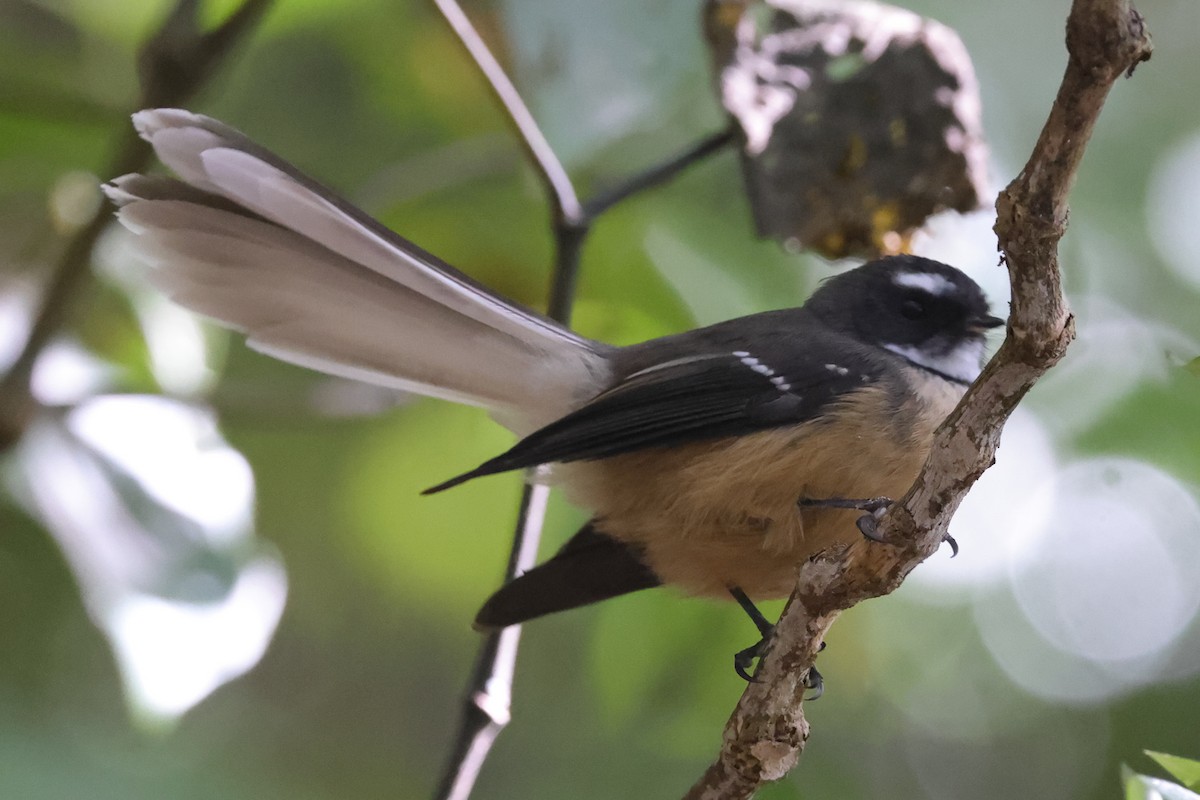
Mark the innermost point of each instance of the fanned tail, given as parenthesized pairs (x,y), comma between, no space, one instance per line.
(248,240)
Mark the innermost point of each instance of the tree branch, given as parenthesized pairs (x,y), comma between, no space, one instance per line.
(174,63)
(767,732)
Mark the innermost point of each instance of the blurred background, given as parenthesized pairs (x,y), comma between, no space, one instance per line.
(217,578)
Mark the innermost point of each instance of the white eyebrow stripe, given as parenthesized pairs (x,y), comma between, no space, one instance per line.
(929,282)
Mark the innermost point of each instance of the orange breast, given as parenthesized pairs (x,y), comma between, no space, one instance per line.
(723,513)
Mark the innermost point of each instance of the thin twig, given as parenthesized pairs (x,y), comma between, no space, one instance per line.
(181,57)
(767,731)
(487,699)
(486,707)
(487,704)
(564,202)
(174,63)
(652,177)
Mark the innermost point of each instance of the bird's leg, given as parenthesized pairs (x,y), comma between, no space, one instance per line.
(868,523)
(743,660)
(873,505)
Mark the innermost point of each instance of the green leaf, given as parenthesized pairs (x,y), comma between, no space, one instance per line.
(1185,770)
(1145,787)
(1134,790)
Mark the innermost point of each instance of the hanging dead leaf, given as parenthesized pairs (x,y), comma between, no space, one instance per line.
(858,120)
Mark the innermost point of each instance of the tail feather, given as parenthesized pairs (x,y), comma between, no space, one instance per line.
(251,242)
(589,568)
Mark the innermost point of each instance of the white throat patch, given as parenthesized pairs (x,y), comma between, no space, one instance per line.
(963,363)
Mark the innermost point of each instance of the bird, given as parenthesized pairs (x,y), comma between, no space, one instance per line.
(716,460)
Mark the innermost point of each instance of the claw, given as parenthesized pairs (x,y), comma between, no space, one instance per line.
(867,523)
(948,539)
(743,660)
(814,681)
(869,526)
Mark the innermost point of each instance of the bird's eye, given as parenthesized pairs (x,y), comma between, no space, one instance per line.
(913,309)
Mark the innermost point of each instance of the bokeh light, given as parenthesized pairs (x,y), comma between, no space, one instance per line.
(1173,206)
(152,510)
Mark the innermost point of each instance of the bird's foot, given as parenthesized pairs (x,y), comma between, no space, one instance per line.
(868,523)
(743,661)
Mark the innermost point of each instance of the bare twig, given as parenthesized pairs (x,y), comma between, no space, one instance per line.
(767,731)
(565,203)
(668,169)
(486,707)
(487,704)
(181,57)
(174,63)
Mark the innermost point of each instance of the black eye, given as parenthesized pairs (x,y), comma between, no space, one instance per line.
(913,309)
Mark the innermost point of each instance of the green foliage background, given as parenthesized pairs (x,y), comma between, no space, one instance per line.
(360,691)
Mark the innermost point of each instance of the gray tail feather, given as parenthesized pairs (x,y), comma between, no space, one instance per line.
(248,240)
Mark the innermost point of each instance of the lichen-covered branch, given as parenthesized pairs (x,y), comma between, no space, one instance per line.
(767,732)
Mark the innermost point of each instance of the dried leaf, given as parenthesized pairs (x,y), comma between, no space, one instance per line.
(859,120)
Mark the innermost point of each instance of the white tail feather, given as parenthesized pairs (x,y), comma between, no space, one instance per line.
(315,282)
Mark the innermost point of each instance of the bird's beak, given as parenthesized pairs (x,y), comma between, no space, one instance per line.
(984,323)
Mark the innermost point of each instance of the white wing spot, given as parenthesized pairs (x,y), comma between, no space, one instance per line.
(762,369)
(838,369)
(929,282)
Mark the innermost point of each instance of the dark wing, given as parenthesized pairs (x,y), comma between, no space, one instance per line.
(705,395)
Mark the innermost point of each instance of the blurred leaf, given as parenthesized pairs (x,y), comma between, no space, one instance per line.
(111,331)
(636,657)
(1185,770)
(441,555)
(1193,367)
(1154,422)
(781,790)
(598,73)
(1145,787)
(39,28)
(859,120)
(157,534)
(710,293)
(1130,780)
(662,664)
